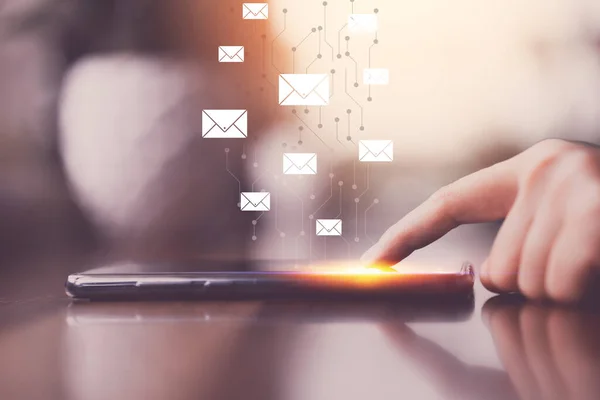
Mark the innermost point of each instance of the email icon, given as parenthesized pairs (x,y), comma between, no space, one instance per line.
(375,150)
(224,124)
(329,227)
(303,89)
(255,201)
(299,163)
(231,54)
(376,76)
(255,11)
(362,23)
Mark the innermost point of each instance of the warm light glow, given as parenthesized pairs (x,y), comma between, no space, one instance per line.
(363,271)
(354,268)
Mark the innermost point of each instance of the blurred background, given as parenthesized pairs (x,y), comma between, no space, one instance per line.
(101,158)
(100,148)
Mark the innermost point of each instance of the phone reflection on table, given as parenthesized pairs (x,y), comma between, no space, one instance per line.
(438,309)
(217,350)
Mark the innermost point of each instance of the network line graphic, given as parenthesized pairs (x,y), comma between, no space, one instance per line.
(327,84)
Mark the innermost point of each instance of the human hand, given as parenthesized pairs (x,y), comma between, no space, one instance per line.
(549,244)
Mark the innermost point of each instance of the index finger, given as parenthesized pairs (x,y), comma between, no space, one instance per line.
(483,196)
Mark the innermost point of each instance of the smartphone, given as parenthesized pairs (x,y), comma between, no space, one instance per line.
(339,282)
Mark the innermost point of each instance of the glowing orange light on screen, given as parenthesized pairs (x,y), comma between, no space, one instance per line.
(351,267)
(351,274)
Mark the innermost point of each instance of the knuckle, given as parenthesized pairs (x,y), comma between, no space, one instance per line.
(581,160)
(540,167)
(441,200)
(560,159)
(535,174)
(440,195)
(552,146)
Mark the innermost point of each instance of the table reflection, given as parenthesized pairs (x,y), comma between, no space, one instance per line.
(211,350)
(548,352)
(452,308)
(300,350)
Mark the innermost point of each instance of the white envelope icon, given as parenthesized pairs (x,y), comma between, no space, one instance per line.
(299,163)
(224,124)
(255,11)
(329,227)
(303,89)
(231,53)
(376,76)
(362,23)
(375,150)
(255,201)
